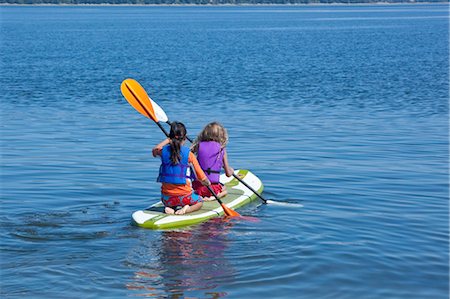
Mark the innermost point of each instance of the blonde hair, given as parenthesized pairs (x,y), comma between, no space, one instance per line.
(212,132)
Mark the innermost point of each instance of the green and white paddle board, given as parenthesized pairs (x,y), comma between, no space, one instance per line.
(238,196)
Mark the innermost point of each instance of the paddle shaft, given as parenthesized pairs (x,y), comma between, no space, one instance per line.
(246,185)
(162,129)
(215,195)
(229,212)
(169,123)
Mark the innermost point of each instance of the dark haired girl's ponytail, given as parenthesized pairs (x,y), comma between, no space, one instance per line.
(177,135)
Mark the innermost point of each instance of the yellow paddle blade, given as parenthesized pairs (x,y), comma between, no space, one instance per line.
(136,95)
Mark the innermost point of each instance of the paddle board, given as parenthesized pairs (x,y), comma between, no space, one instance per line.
(238,195)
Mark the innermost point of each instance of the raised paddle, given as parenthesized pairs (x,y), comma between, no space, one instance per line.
(136,95)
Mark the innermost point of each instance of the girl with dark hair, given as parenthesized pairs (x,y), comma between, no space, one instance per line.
(176,158)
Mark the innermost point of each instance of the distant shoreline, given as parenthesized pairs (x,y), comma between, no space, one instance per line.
(240,4)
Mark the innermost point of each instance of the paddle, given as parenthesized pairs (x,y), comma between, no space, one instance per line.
(136,95)
(251,189)
(229,212)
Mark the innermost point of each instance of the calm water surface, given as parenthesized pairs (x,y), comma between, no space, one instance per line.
(340,109)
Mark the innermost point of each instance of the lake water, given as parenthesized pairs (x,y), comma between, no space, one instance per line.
(342,111)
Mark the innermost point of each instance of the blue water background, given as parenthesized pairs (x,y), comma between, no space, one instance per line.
(341,109)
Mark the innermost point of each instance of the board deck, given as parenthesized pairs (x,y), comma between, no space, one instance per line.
(238,196)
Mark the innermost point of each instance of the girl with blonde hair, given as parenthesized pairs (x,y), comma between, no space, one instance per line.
(210,147)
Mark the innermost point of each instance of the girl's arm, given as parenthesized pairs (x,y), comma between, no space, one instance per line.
(156,151)
(226,166)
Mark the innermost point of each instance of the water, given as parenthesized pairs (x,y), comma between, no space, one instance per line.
(342,111)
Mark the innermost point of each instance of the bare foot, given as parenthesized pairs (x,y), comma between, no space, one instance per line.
(169,210)
(223,193)
(210,198)
(183,210)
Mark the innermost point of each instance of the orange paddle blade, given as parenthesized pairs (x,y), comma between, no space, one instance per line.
(229,212)
(136,95)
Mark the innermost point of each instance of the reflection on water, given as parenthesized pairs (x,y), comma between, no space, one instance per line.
(184,261)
